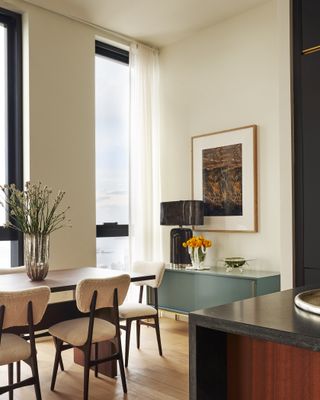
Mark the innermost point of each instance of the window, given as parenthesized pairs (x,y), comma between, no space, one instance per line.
(112,156)
(10,126)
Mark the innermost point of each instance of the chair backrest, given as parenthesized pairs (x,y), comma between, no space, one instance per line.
(16,305)
(150,267)
(105,289)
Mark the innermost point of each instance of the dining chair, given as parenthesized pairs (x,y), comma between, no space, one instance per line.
(14,270)
(20,309)
(92,295)
(140,312)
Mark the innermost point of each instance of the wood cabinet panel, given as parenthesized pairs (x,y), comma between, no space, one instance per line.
(310,13)
(310,81)
(265,370)
(306,98)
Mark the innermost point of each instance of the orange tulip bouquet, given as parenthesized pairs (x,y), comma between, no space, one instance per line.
(197,248)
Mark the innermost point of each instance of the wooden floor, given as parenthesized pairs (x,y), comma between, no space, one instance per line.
(149,376)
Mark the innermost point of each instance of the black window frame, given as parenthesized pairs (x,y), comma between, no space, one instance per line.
(112,229)
(13,23)
(115,53)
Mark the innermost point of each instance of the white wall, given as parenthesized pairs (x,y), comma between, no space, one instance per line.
(62,154)
(224,77)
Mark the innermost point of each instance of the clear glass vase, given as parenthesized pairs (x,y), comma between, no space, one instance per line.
(197,256)
(36,256)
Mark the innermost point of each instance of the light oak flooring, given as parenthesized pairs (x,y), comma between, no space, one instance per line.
(149,376)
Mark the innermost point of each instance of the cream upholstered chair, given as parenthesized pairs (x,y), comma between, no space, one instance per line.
(14,270)
(21,308)
(138,311)
(92,295)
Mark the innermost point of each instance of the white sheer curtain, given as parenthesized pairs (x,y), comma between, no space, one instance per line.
(144,154)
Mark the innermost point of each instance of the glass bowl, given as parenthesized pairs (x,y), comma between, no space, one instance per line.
(234,262)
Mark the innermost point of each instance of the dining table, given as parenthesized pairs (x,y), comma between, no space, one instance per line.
(63,280)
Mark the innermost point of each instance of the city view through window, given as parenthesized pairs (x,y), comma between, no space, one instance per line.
(112,158)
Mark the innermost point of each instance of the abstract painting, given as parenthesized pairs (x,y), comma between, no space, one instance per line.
(222,180)
(224,177)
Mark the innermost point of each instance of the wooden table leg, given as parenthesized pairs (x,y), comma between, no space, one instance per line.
(104,349)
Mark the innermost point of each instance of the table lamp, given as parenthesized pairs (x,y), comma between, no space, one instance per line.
(183,212)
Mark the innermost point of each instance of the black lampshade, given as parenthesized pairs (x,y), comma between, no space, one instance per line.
(183,212)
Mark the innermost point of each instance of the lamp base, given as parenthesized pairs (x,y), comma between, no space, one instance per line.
(179,266)
(179,255)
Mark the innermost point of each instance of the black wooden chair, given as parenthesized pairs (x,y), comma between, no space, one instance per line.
(19,309)
(93,295)
(140,312)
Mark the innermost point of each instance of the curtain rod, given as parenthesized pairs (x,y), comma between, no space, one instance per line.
(114,35)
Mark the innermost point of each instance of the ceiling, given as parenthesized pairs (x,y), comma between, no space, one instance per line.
(155,22)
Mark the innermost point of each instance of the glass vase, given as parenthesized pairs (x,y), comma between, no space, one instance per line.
(197,256)
(36,256)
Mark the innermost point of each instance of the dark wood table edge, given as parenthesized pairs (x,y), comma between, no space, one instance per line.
(51,280)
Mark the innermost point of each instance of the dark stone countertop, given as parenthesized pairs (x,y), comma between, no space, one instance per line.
(272,317)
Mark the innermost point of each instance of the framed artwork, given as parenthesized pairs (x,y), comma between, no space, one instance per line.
(224,176)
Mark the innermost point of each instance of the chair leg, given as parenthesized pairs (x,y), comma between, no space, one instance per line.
(128,331)
(156,321)
(61,363)
(96,355)
(57,358)
(138,333)
(18,367)
(60,359)
(121,366)
(10,380)
(86,371)
(35,373)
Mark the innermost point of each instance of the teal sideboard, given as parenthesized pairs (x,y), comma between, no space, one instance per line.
(183,291)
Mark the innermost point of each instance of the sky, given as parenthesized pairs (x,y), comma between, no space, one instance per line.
(112,158)
(112,141)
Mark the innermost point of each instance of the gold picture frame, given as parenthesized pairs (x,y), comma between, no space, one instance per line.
(224,176)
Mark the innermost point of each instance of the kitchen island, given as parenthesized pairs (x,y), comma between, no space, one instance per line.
(263,348)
